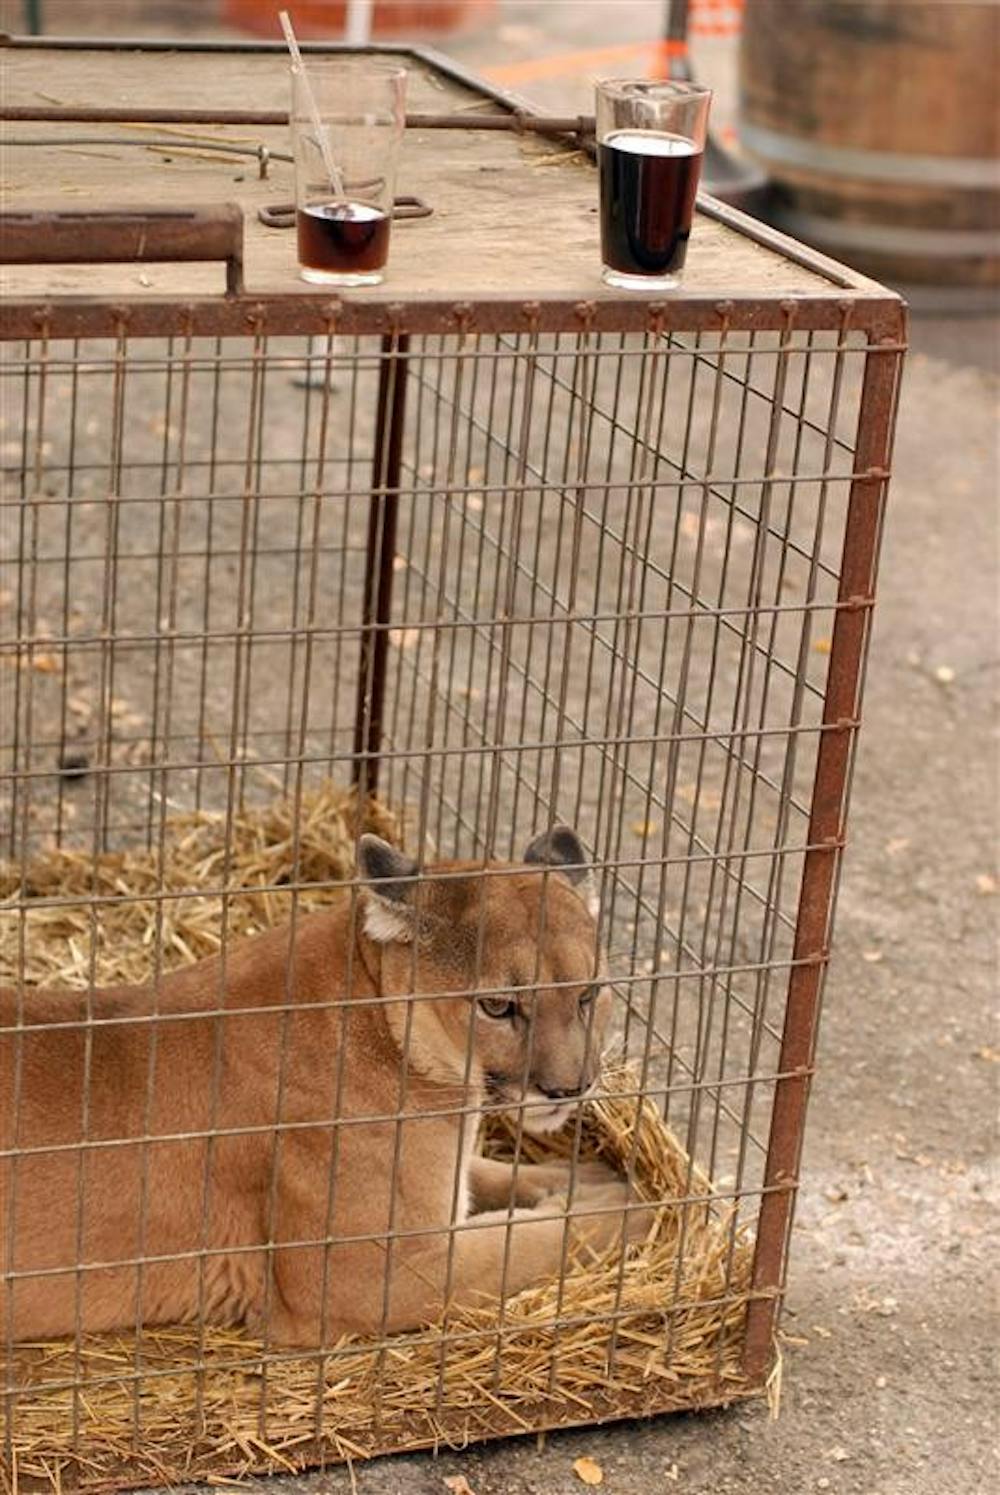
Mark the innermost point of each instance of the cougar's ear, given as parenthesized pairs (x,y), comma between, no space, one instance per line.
(389,912)
(562,849)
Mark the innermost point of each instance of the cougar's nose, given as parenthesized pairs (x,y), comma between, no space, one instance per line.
(551,1093)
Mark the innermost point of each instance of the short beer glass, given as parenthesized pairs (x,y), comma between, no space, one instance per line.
(650,140)
(345,180)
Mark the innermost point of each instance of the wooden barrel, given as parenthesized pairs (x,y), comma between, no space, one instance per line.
(325,19)
(877,122)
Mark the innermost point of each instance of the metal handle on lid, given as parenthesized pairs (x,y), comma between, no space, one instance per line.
(78,236)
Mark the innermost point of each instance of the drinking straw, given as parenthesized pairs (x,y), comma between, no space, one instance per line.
(298,65)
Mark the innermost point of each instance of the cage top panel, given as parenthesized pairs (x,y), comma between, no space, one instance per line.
(512,214)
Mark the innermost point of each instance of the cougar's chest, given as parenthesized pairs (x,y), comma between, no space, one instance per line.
(470,1146)
(458,1182)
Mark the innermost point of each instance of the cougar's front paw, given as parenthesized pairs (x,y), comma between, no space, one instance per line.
(539,1181)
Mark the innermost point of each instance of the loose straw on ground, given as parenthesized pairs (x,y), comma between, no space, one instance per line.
(675,1310)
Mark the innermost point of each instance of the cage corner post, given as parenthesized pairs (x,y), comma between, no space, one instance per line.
(826,832)
(383,518)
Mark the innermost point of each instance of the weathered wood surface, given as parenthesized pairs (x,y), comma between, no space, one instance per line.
(511,214)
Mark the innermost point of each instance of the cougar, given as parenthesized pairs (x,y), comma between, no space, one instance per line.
(285,1136)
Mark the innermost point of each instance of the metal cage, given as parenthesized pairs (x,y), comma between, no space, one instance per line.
(498,561)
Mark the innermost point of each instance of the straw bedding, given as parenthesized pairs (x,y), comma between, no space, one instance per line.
(266,849)
(184,1405)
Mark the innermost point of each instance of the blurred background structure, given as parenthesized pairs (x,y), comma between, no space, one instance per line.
(876,123)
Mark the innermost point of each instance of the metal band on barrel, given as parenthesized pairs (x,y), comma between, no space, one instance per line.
(977,173)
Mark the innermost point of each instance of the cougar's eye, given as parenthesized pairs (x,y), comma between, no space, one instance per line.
(498,1007)
(589,997)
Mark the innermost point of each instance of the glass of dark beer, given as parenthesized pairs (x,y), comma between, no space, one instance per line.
(650,140)
(347,124)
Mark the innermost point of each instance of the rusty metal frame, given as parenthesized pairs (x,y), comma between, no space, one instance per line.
(872,311)
(827,839)
(379,315)
(383,519)
(517,122)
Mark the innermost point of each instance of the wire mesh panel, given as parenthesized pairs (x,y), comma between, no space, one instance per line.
(266,593)
(425,734)
(613,616)
(180,557)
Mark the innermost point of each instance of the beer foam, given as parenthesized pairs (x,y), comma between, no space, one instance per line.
(650,143)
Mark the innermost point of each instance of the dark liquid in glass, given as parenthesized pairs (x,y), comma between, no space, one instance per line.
(648,187)
(343,236)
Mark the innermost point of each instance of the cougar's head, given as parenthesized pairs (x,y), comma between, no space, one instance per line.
(497,969)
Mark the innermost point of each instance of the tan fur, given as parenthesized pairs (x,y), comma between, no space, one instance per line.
(230,1207)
